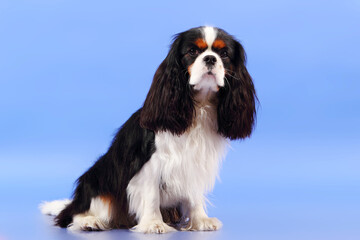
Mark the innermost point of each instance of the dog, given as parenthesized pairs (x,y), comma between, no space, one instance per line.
(164,160)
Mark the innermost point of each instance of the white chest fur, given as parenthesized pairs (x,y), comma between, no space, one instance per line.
(183,168)
(190,162)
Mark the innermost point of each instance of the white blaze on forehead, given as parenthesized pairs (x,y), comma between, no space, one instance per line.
(210,34)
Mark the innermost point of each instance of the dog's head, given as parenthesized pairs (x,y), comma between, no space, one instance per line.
(202,61)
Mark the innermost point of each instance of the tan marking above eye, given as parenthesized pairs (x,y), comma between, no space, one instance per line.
(201,43)
(219,44)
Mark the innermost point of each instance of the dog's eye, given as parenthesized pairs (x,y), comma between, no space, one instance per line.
(193,52)
(224,54)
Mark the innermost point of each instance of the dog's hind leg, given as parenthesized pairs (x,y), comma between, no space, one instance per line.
(97,218)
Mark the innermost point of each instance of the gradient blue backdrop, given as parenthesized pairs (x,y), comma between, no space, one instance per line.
(71,72)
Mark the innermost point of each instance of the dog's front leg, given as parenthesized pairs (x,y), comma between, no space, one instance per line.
(144,201)
(151,220)
(199,220)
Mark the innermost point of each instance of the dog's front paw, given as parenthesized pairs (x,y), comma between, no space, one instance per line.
(205,224)
(156,226)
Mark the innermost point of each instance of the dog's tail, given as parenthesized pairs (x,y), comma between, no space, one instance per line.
(63,210)
(54,207)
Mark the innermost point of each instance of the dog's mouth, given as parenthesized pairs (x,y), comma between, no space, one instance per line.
(208,82)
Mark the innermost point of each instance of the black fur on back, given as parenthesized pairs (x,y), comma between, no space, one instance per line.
(131,148)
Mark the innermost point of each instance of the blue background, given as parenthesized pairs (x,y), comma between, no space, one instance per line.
(71,72)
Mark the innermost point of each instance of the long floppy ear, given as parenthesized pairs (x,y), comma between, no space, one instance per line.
(237,99)
(169,105)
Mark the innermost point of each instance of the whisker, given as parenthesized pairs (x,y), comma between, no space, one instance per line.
(228,83)
(229,72)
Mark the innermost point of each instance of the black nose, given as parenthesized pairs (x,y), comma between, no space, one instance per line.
(210,60)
